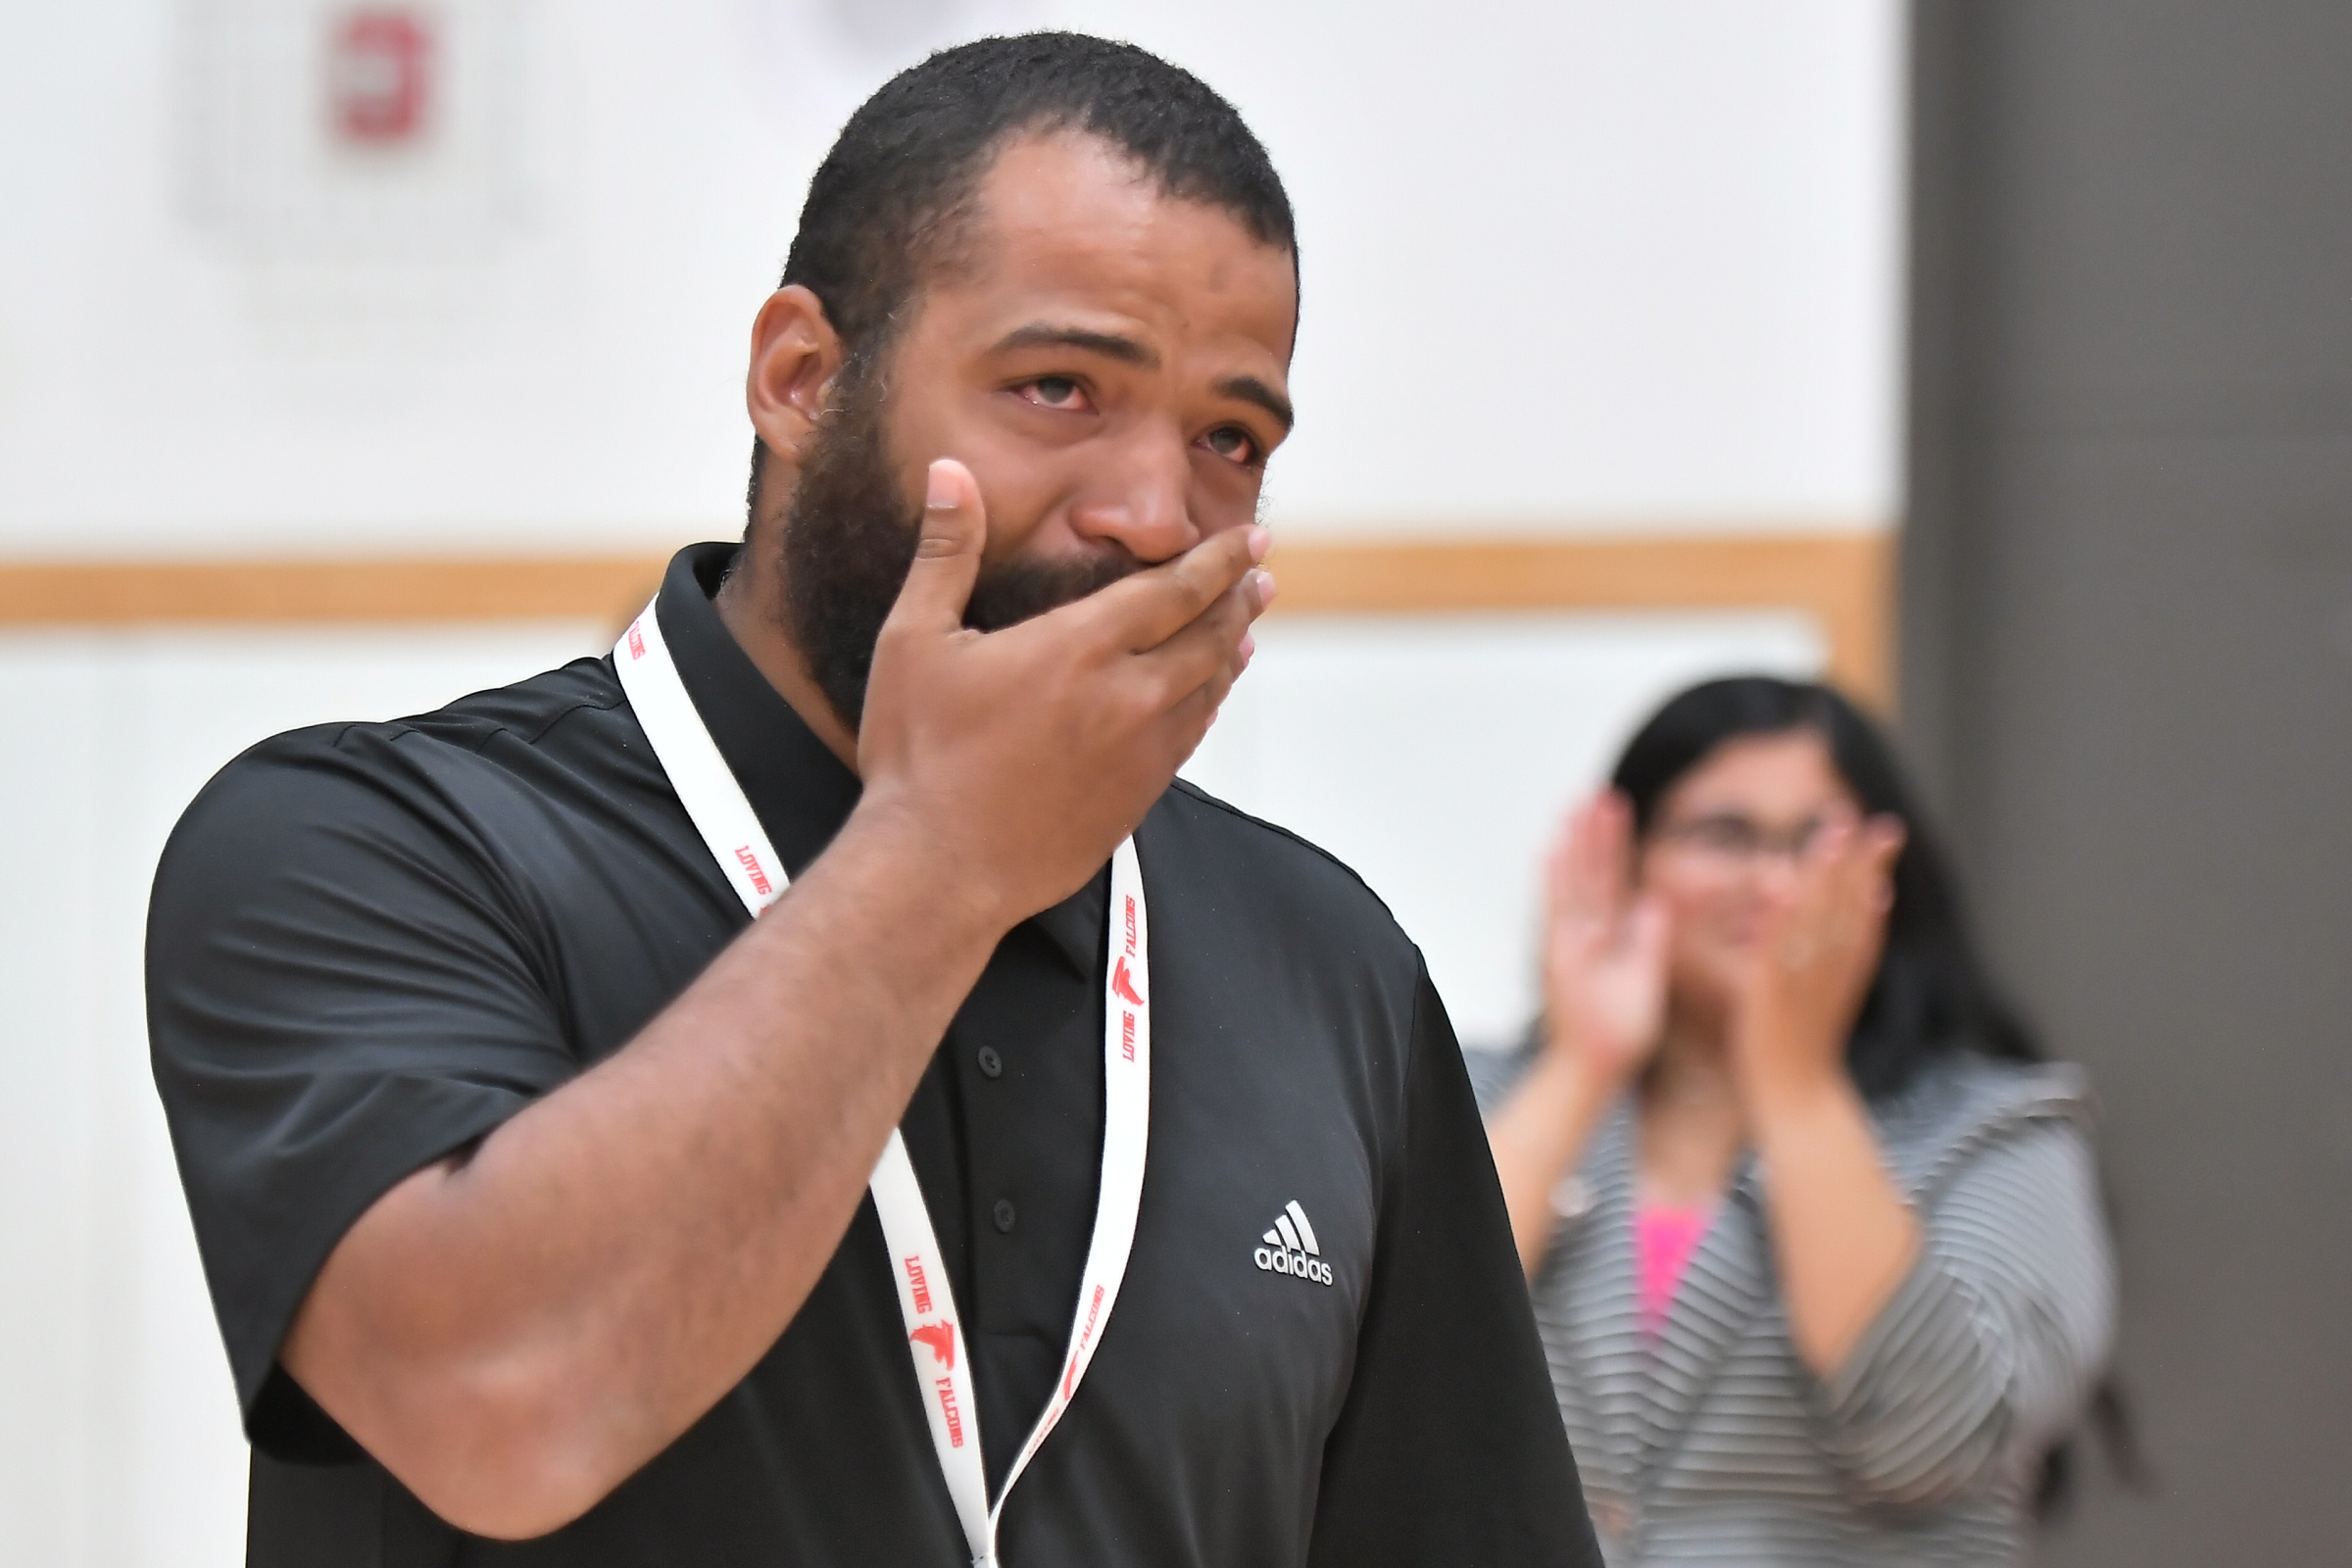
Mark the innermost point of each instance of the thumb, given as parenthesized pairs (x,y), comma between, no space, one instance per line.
(947,550)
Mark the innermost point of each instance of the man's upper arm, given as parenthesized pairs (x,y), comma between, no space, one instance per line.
(1449,1449)
(339,991)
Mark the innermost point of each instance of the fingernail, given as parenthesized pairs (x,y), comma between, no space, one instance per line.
(940,494)
(1261,539)
(1248,646)
(1266,588)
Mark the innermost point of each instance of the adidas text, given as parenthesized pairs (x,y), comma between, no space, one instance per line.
(1289,1248)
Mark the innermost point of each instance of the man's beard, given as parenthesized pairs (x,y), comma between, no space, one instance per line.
(849,540)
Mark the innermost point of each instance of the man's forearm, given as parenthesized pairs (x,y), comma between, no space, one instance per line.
(514,1332)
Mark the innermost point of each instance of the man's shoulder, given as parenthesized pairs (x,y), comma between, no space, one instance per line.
(428,779)
(529,710)
(1278,872)
(528,713)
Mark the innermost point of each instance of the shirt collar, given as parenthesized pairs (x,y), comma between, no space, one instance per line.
(796,787)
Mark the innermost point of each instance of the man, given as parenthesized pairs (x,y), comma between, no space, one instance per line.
(807,1088)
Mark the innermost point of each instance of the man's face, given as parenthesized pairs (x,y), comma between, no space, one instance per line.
(1110,363)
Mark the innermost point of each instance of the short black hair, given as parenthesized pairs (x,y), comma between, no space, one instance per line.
(887,204)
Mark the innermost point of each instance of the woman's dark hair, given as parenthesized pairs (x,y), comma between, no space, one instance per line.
(1932,995)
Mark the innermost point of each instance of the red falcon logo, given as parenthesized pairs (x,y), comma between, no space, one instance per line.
(1122,983)
(941,1338)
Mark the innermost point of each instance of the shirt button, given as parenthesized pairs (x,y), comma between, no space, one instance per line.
(992,1065)
(1004,1213)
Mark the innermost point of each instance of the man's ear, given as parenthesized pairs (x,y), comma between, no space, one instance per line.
(795,356)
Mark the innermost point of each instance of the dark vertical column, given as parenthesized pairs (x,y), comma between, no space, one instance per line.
(2128,673)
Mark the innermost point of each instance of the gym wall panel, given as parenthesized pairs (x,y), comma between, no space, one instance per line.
(2128,651)
(1586,265)
(118,1439)
(1437,754)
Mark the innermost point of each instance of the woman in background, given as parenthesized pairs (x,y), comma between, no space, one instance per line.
(1815,1239)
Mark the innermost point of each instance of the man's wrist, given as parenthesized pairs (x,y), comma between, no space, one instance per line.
(889,842)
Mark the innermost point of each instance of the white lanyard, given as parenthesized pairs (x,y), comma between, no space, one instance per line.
(712,797)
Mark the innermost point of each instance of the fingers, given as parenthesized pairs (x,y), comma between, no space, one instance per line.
(1182,662)
(1646,930)
(1194,671)
(1589,885)
(1884,837)
(946,552)
(1560,868)
(1857,872)
(1825,879)
(1192,715)
(1613,834)
(1797,905)
(1591,893)
(1147,610)
(1836,901)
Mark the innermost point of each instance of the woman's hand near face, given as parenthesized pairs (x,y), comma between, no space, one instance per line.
(1604,948)
(1604,1007)
(1822,931)
(1842,1233)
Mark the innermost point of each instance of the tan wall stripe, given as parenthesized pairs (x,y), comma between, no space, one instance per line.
(1844,581)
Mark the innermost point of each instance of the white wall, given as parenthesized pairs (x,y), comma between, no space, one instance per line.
(1437,757)
(119,1440)
(1602,261)
(1595,264)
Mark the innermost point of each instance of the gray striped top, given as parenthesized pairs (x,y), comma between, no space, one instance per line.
(1712,1443)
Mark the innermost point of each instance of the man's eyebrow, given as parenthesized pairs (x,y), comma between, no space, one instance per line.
(1110,344)
(1129,350)
(1249,389)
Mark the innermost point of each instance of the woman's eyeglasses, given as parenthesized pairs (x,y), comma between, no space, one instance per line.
(1737,840)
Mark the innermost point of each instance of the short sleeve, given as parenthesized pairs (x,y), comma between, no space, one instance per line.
(1449,1449)
(339,991)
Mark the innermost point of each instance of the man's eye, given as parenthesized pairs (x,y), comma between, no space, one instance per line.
(1055,392)
(1232,443)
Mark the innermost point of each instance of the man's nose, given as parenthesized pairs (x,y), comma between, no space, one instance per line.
(1143,501)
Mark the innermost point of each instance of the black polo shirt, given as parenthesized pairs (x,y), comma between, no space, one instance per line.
(372,944)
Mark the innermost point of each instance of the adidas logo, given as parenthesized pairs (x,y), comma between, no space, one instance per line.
(1289,1248)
